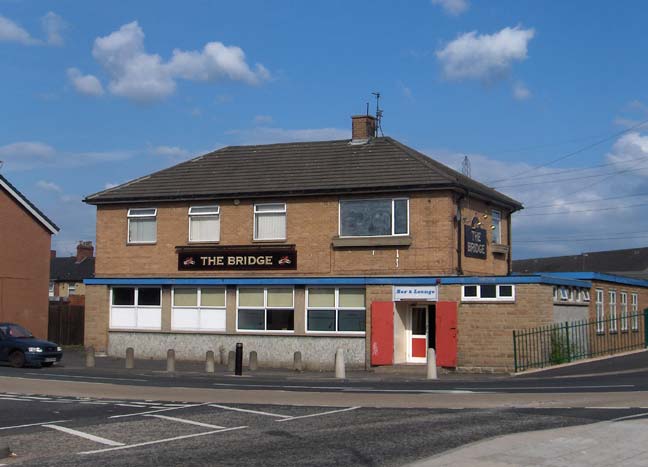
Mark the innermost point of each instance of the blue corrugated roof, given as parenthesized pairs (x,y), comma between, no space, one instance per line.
(598,276)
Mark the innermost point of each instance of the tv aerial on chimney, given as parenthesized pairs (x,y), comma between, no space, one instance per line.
(379,114)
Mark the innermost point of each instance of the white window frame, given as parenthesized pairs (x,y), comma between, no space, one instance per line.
(624,311)
(600,311)
(337,308)
(265,310)
(200,308)
(214,213)
(585,295)
(564,293)
(72,288)
(393,200)
(497,240)
(613,311)
(634,310)
(497,298)
(135,308)
(283,211)
(51,289)
(133,214)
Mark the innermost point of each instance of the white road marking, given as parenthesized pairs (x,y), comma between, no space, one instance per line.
(32,424)
(131,405)
(84,377)
(628,417)
(190,422)
(62,401)
(34,398)
(81,434)
(608,408)
(95,403)
(353,389)
(166,440)
(156,411)
(552,387)
(258,412)
(14,399)
(319,414)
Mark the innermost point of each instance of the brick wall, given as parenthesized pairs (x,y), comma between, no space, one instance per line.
(24,267)
(97,315)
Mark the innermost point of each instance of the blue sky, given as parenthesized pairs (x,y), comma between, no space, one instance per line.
(97,93)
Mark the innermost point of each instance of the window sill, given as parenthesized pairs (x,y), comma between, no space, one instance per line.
(140,243)
(350,242)
(500,249)
(276,240)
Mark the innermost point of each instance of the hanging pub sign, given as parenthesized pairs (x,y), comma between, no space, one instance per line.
(239,259)
(474,242)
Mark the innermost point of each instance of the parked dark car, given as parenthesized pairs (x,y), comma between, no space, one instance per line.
(19,347)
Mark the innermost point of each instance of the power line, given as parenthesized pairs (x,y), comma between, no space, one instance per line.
(586,239)
(538,206)
(582,210)
(576,152)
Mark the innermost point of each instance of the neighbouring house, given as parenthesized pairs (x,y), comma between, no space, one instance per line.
(68,273)
(363,244)
(25,243)
(630,262)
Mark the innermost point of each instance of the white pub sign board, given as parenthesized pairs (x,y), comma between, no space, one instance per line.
(428,293)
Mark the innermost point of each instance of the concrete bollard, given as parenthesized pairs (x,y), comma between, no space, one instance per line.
(340,372)
(170,361)
(297,362)
(210,364)
(254,361)
(89,357)
(130,358)
(231,361)
(431,364)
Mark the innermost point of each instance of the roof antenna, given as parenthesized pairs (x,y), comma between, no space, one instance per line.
(465,166)
(379,114)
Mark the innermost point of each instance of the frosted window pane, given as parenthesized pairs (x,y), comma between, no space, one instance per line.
(212,320)
(142,230)
(251,297)
(186,318)
(270,226)
(205,229)
(212,297)
(321,298)
(185,297)
(352,298)
(270,207)
(280,298)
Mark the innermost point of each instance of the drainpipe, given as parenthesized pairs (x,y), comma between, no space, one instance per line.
(459,234)
(510,243)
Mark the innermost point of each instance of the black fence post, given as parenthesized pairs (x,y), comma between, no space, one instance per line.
(646,327)
(515,364)
(238,368)
(568,345)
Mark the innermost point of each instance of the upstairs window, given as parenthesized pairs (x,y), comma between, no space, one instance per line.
(497,226)
(204,224)
(270,221)
(374,217)
(142,225)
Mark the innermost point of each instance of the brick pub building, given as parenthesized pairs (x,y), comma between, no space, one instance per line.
(363,244)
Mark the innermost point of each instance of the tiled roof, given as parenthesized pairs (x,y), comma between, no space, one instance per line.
(327,167)
(68,270)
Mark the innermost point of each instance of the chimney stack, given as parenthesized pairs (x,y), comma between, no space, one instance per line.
(84,250)
(363,128)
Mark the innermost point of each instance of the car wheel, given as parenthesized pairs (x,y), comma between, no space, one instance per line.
(17,359)
(47,364)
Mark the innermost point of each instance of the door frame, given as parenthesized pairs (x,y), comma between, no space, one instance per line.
(409,335)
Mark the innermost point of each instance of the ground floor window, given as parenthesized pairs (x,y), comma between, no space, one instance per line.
(613,311)
(330,309)
(634,304)
(624,311)
(600,312)
(198,309)
(488,292)
(265,309)
(135,308)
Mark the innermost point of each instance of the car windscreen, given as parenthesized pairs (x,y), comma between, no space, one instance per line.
(13,330)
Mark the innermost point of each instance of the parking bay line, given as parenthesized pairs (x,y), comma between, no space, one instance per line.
(258,412)
(319,414)
(84,377)
(183,420)
(166,440)
(81,434)
(32,424)
(158,410)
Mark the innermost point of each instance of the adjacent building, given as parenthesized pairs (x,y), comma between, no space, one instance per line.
(25,241)
(68,273)
(363,244)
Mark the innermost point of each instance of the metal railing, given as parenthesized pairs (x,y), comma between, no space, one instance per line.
(576,340)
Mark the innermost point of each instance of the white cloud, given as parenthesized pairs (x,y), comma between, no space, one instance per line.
(452,7)
(521,92)
(262,119)
(48,186)
(173,152)
(267,135)
(85,84)
(109,185)
(144,77)
(12,32)
(53,26)
(630,152)
(484,57)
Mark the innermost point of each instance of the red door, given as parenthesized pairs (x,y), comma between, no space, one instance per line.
(382,333)
(446,334)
